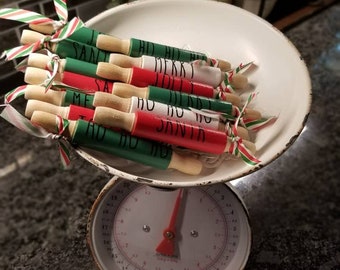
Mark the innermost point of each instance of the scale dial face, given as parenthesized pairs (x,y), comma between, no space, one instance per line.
(134,226)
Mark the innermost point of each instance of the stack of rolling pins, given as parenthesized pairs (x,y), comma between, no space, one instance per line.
(151,103)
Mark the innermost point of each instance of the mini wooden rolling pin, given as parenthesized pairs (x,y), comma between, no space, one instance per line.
(121,144)
(67,48)
(134,47)
(149,126)
(182,100)
(52,100)
(133,104)
(142,78)
(202,74)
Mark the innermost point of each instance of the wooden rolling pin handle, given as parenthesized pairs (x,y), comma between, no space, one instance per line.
(239,81)
(38,60)
(30,37)
(35,76)
(128,90)
(223,65)
(46,29)
(38,92)
(114,118)
(185,164)
(43,61)
(243,133)
(37,105)
(125,61)
(113,44)
(252,114)
(250,146)
(112,101)
(49,122)
(113,72)
(38,76)
(232,98)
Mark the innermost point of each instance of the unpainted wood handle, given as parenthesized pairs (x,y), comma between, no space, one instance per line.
(49,122)
(113,72)
(127,90)
(114,118)
(113,44)
(37,105)
(102,99)
(39,93)
(125,61)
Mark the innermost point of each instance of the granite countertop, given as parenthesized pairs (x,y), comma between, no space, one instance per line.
(294,203)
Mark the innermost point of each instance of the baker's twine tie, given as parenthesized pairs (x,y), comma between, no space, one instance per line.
(63,28)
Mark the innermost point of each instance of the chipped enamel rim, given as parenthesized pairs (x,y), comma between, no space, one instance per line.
(227,32)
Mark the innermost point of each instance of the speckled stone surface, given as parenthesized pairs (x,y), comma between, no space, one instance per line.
(294,203)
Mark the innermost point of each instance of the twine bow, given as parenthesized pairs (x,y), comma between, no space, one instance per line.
(11,115)
(237,146)
(52,66)
(63,29)
(226,86)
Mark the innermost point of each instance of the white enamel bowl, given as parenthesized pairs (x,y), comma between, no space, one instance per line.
(226,32)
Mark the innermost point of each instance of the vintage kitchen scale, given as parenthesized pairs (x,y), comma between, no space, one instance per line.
(155,219)
(152,219)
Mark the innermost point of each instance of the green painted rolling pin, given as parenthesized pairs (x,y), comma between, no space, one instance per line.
(122,144)
(68,48)
(136,47)
(150,126)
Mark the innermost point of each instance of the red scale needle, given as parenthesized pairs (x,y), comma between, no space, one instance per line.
(167,245)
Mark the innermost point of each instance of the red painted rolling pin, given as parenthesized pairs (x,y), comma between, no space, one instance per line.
(121,144)
(149,126)
(142,78)
(133,104)
(55,101)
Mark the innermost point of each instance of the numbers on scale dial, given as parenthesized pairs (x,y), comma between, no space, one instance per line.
(134,217)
